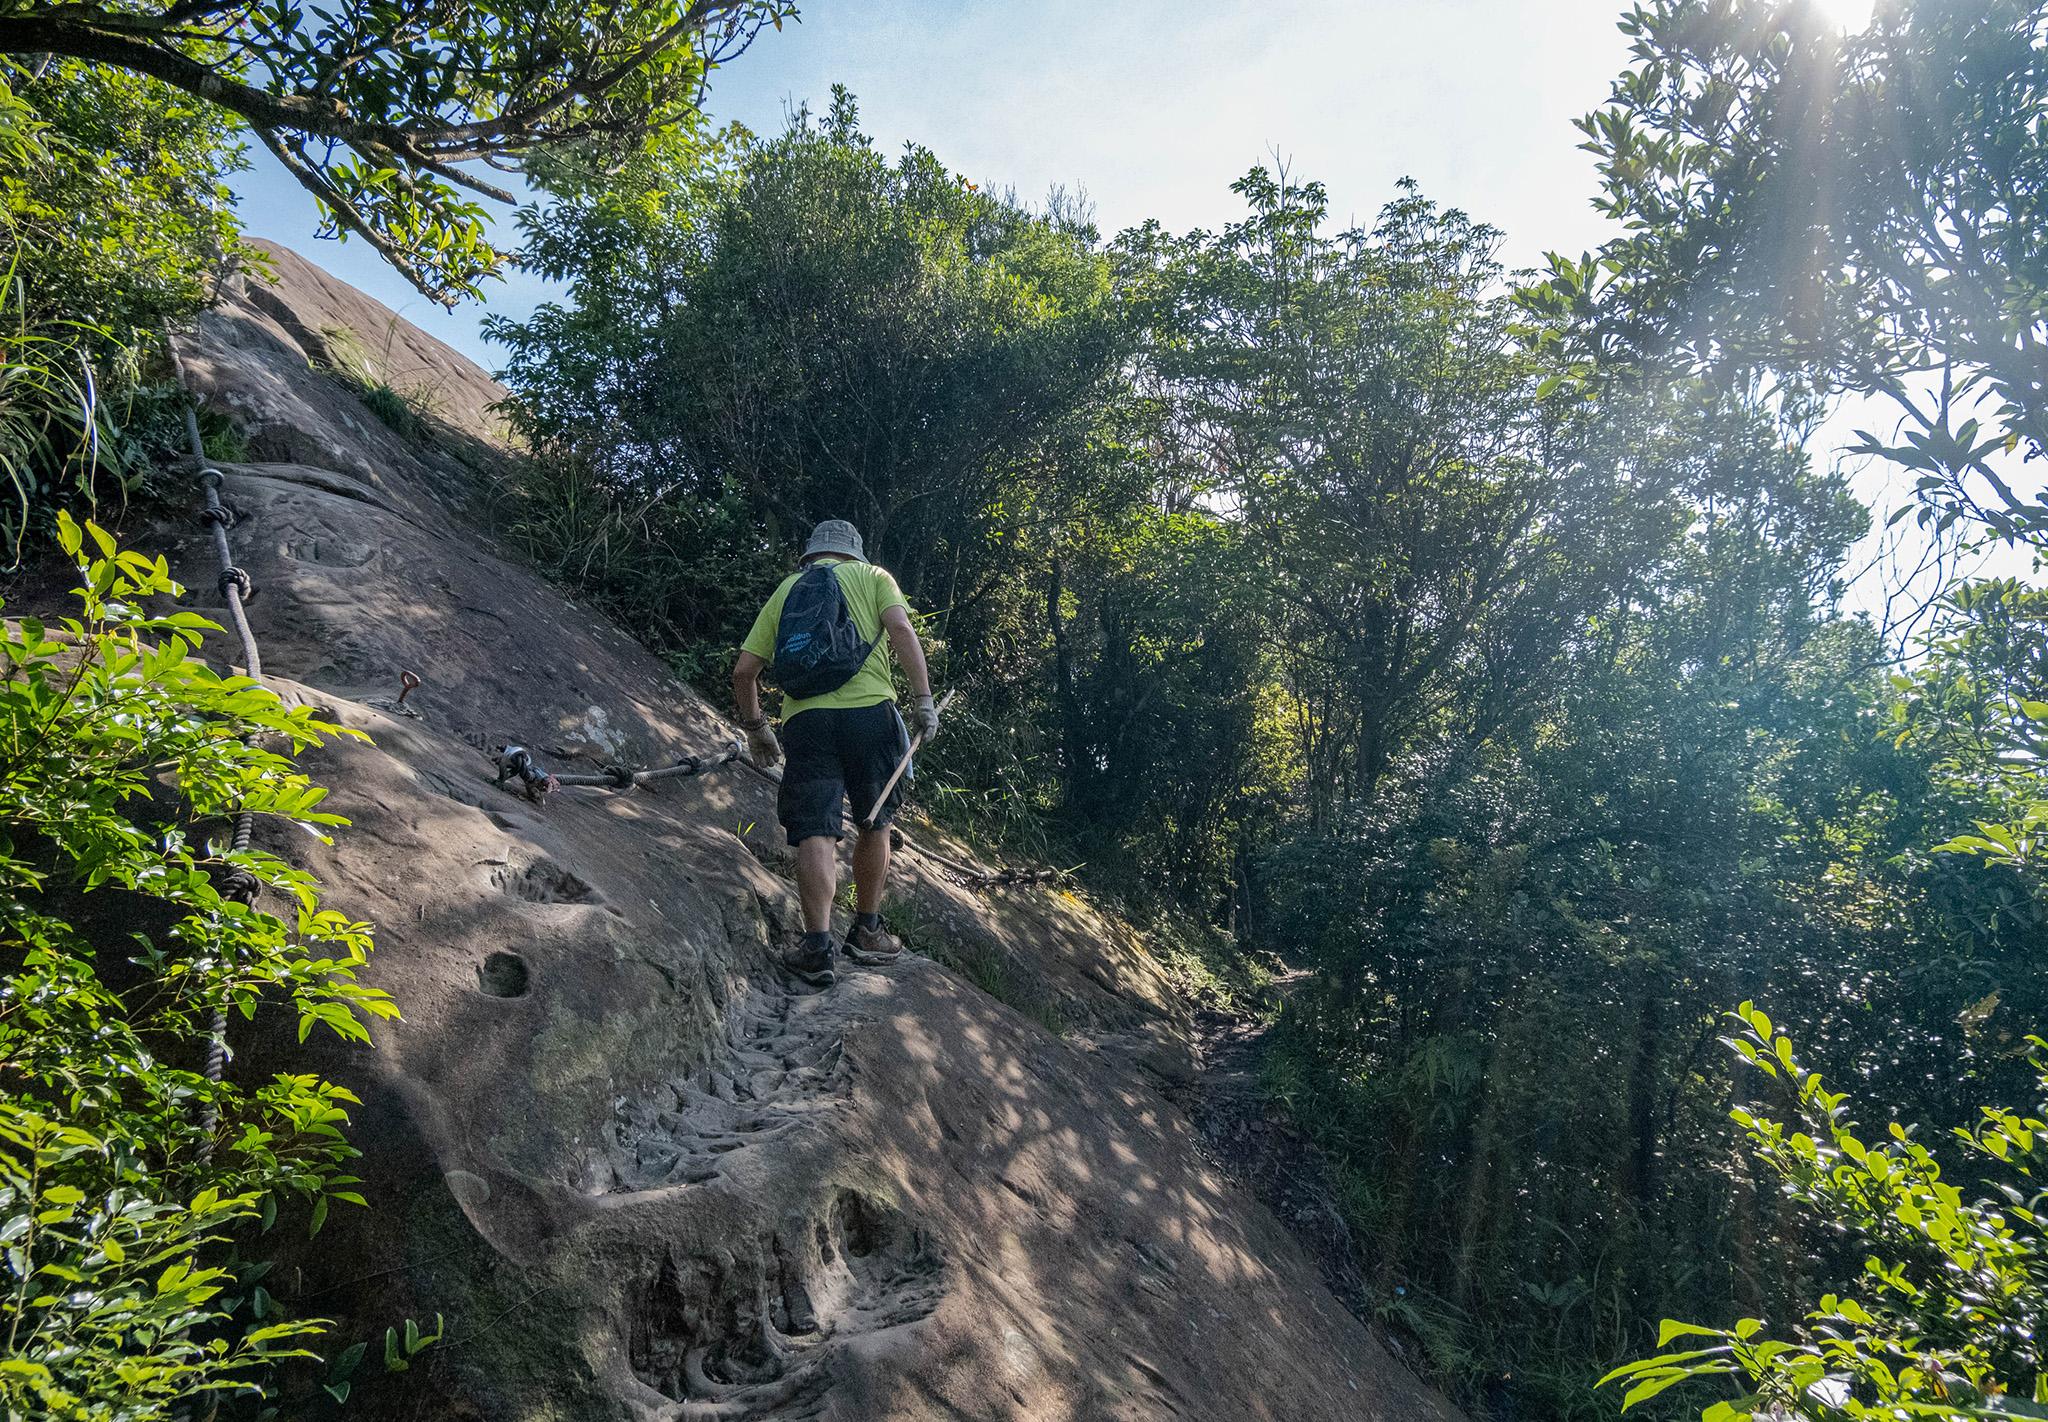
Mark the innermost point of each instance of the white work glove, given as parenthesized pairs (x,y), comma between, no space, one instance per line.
(925,719)
(762,747)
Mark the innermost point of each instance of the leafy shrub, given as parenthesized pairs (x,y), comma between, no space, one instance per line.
(113,191)
(1975,703)
(800,329)
(54,437)
(1949,1314)
(121,1163)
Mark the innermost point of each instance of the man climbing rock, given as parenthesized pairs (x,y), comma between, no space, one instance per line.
(820,639)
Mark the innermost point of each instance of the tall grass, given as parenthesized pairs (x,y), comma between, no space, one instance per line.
(55,441)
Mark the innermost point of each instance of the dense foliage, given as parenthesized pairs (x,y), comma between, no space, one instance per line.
(114,224)
(1336,597)
(115,192)
(804,323)
(1945,1319)
(1473,646)
(120,126)
(1861,211)
(124,1166)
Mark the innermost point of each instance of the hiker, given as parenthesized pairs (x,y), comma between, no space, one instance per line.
(820,639)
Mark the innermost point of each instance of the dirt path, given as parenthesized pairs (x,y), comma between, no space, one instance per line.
(1248,1137)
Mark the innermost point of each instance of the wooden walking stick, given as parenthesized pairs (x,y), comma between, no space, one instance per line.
(868,820)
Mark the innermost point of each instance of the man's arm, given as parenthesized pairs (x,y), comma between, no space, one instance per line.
(910,653)
(746,687)
(746,699)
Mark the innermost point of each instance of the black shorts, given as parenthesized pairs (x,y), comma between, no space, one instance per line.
(836,753)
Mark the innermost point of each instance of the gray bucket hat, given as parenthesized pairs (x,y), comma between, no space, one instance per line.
(836,535)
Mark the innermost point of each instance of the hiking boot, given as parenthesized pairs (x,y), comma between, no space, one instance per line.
(872,945)
(811,962)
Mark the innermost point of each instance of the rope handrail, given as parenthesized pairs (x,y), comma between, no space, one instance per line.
(618,777)
(235,589)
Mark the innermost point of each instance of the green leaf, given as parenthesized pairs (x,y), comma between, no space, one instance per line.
(346,1362)
(1650,1387)
(1672,1329)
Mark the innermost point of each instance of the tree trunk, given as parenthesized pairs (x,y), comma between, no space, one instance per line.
(1479,1174)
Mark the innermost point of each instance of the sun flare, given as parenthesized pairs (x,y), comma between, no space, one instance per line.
(1849,16)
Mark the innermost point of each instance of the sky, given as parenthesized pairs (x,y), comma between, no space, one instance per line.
(1153,107)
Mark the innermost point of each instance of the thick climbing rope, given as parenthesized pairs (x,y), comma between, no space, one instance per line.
(617,777)
(235,589)
(240,885)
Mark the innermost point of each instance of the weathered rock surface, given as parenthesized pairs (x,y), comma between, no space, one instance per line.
(642,1175)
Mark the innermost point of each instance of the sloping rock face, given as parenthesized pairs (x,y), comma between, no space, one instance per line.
(639,1172)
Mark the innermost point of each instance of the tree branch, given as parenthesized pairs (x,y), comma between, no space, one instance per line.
(93,36)
(345,214)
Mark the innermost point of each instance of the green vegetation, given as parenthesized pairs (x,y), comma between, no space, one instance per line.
(1946,1318)
(1334,596)
(1470,643)
(114,200)
(381,111)
(408,409)
(120,126)
(914,343)
(125,1169)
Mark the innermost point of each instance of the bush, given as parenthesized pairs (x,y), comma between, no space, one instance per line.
(122,1165)
(1948,1317)
(115,224)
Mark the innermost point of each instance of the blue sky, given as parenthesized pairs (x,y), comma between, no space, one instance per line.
(1154,106)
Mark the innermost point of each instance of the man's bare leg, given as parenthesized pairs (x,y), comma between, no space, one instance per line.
(871,869)
(817,879)
(869,942)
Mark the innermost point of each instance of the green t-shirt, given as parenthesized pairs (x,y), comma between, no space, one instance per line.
(869,592)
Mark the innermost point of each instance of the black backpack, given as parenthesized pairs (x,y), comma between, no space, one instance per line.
(817,647)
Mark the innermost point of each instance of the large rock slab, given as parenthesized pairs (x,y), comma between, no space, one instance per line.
(640,1172)
(288,349)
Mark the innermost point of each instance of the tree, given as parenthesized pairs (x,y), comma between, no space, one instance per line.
(115,201)
(1364,405)
(114,222)
(813,330)
(1864,212)
(381,109)
(1814,213)
(1519,943)
(1978,700)
(1156,686)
